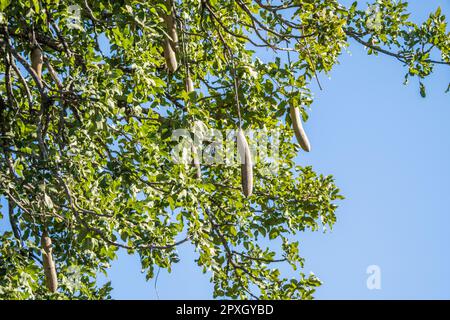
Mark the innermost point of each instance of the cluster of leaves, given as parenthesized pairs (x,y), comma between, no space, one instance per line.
(85,153)
(385,28)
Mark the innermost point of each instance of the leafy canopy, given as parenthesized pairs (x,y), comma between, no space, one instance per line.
(85,152)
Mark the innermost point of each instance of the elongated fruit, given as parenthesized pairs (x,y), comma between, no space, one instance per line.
(170,56)
(36,61)
(189,84)
(300,133)
(49,265)
(171,25)
(171,40)
(246,164)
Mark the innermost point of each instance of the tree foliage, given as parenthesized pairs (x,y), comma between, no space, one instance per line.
(85,150)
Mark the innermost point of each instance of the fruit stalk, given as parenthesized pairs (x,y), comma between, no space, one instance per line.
(246,164)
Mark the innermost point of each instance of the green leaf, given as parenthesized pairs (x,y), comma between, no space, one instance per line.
(422,90)
(4,4)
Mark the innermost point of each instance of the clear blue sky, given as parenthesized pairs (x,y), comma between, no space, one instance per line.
(389,151)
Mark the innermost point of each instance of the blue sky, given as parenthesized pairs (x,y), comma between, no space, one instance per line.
(388,149)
